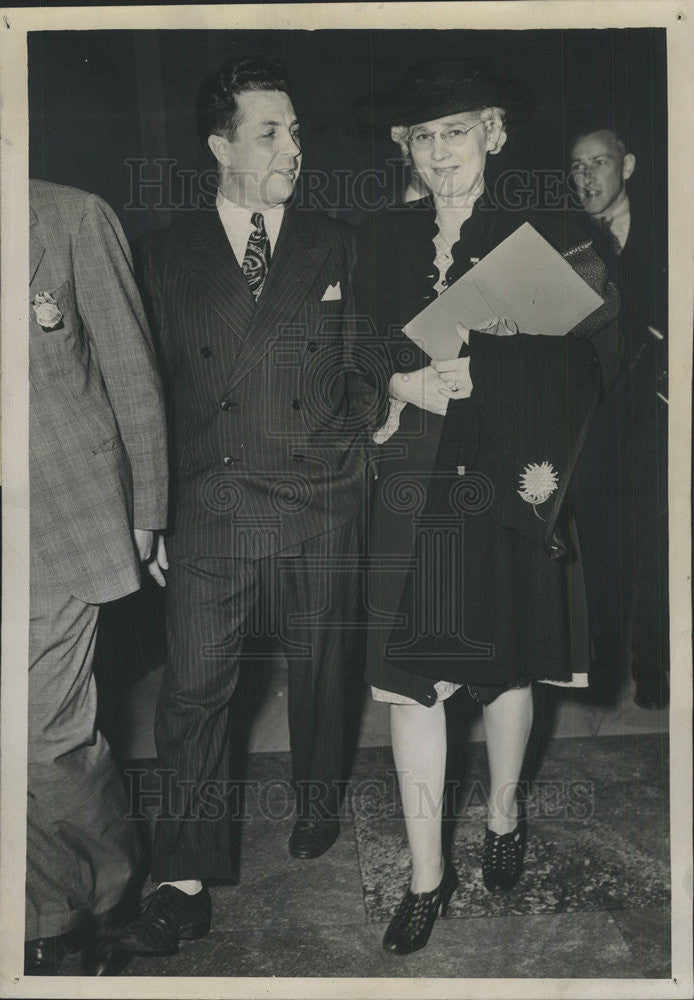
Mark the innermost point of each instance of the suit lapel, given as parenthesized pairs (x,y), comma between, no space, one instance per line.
(36,247)
(217,274)
(295,262)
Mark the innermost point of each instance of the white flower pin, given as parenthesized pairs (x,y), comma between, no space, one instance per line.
(538,483)
(48,316)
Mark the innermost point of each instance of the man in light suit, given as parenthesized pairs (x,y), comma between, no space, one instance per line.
(98,480)
(249,302)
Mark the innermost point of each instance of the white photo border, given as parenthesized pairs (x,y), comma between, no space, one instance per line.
(678,20)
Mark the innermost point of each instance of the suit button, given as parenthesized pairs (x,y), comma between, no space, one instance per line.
(228,460)
(206,352)
(312,346)
(296,403)
(225,404)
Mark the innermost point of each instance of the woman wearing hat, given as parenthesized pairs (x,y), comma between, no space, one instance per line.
(474,564)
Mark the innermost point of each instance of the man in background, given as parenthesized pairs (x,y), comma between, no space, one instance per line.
(621,481)
(98,480)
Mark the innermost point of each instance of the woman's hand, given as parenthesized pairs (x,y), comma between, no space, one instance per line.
(423,387)
(455,376)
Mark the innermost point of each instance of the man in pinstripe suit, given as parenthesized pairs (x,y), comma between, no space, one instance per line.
(249,303)
(98,477)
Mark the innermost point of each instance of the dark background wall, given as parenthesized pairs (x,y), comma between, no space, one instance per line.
(105,105)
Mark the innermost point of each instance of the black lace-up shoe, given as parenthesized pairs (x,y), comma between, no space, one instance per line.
(168,916)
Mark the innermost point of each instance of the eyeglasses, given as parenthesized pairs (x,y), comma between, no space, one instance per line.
(452,136)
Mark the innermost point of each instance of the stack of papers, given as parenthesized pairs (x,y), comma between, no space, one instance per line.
(524,279)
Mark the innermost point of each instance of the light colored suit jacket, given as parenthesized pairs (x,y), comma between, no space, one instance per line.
(97,439)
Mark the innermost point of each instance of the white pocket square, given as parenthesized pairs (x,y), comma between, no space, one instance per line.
(332,293)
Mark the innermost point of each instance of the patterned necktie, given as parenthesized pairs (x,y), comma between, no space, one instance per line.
(257,258)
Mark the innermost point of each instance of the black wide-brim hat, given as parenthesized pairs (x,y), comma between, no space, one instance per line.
(439,88)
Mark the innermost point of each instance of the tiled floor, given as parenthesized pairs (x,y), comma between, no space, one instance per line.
(593,900)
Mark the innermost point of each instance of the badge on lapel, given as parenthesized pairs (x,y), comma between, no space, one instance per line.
(332,293)
(48,316)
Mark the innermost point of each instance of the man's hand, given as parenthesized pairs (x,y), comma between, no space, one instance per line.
(423,387)
(143,542)
(159,563)
(455,376)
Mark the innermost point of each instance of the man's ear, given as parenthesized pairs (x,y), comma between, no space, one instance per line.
(493,125)
(628,166)
(220,148)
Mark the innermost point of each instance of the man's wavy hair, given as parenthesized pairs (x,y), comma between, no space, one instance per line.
(216,107)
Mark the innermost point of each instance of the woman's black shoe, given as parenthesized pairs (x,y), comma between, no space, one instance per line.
(502,859)
(411,927)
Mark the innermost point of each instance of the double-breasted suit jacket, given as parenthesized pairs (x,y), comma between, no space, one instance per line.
(264,416)
(96,415)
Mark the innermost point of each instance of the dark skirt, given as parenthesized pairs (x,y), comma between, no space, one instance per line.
(453,594)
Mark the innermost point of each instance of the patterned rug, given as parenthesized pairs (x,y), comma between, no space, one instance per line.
(597,839)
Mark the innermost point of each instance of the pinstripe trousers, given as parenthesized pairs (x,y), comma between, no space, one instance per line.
(308,600)
(81,851)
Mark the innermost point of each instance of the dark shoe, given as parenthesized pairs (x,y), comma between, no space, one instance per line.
(168,916)
(411,927)
(44,956)
(502,859)
(312,837)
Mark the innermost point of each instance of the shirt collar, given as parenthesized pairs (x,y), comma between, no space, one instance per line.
(237,223)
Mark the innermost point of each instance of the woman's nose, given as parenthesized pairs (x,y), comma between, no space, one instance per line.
(439,150)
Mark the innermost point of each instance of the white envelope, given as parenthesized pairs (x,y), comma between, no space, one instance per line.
(332,293)
(523,279)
